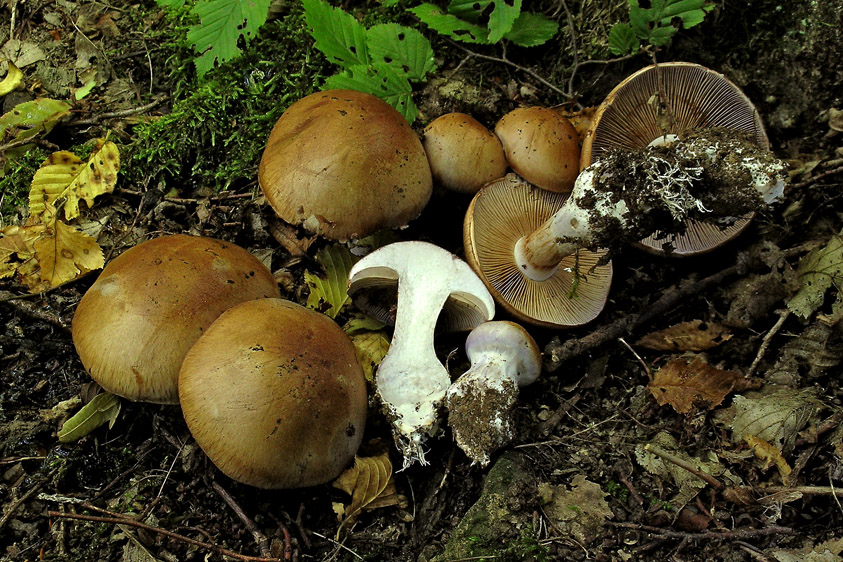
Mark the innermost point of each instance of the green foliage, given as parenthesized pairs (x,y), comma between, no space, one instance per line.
(329,294)
(382,60)
(103,409)
(655,25)
(487,22)
(221,25)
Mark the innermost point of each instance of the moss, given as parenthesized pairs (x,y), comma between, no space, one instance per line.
(14,186)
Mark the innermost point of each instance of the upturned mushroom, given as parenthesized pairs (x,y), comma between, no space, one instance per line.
(411,382)
(138,320)
(344,164)
(541,146)
(274,395)
(463,154)
(504,357)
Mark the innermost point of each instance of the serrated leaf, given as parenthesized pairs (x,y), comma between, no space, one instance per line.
(817,272)
(371,485)
(371,348)
(171,3)
(18,242)
(622,39)
(382,81)
(329,294)
(469,10)
(531,29)
(222,23)
(502,18)
(404,49)
(656,23)
(694,335)
(27,119)
(104,408)
(13,80)
(684,383)
(63,175)
(340,37)
(449,25)
(776,418)
(64,253)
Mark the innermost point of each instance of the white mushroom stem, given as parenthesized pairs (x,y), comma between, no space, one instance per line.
(631,195)
(504,357)
(411,382)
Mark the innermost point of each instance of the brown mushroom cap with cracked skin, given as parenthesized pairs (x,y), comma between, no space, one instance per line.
(498,216)
(274,395)
(695,97)
(150,304)
(541,146)
(344,164)
(463,154)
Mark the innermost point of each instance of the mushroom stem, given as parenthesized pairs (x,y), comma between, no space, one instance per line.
(713,175)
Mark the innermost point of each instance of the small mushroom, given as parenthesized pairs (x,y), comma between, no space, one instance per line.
(410,381)
(463,154)
(138,320)
(344,164)
(655,104)
(274,395)
(541,146)
(504,357)
(571,293)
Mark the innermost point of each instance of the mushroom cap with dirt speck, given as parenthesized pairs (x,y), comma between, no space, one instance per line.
(694,97)
(502,213)
(541,146)
(344,164)
(138,320)
(464,155)
(274,395)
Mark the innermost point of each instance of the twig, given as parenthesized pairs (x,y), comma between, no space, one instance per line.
(132,523)
(300,526)
(339,544)
(116,114)
(738,534)
(260,538)
(684,465)
(804,490)
(16,504)
(643,363)
(574,50)
(32,310)
(765,343)
(816,178)
(632,491)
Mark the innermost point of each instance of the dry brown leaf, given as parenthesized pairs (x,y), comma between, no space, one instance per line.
(684,382)
(370,484)
(770,454)
(694,335)
(581,120)
(17,242)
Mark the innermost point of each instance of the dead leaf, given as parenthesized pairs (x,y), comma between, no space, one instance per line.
(370,342)
(684,382)
(770,455)
(579,512)
(581,120)
(776,418)
(694,335)
(64,253)
(13,80)
(370,484)
(289,238)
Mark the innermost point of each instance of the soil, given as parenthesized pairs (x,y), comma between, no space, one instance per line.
(576,482)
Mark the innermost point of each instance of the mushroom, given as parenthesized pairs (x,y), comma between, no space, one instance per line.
(463,154)
(570,294)
(410,381)
(654,105)
(541,146)
(274,395)
(504,357)
(344,164)
(138,320)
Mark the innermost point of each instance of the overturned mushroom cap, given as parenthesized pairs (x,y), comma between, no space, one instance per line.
(499,216)
(149,305)
(463,154)
(344,164)
(274,395)
(541,146)
(693,97)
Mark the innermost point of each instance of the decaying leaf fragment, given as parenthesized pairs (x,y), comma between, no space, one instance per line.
(769,454)
(329,294)
(370,484)
(776,418)
(684,382)
(817,272)
(694,335)
(370,341)
(579,512)
(104,408)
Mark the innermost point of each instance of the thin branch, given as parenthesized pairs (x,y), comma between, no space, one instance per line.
(737,534)
(685,465)
(260,538)
(116,114)
(816,178)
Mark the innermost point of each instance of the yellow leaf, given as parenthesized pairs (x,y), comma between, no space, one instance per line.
(64,253)
(13,80)
(63,175)
(18,242)
(770,454)
(370,484)
(371,348)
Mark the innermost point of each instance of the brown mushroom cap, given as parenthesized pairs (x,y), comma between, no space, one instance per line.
(149,305)
(344,164)
(274,395)
(694,97)
(541,146)
(463,154)
(500,214)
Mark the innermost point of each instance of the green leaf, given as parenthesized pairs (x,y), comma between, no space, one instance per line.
(451,26)
(469,10)
(532,29)
(222,23)
(656,23)
(340,37)
(382,81)
(818,271)
(371,347)
(622,39)
(404,49)
(27,119)
(171,3)
(329,294)
(362,323)
(104,408)
(502,18)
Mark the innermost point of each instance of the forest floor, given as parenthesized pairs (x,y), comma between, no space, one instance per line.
(604,465)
